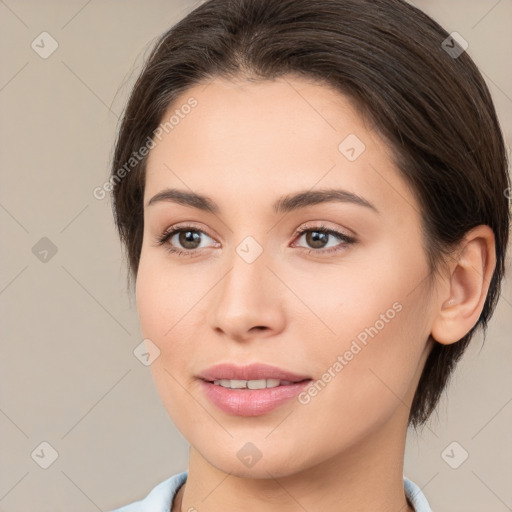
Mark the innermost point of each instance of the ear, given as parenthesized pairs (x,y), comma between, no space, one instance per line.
(470,273)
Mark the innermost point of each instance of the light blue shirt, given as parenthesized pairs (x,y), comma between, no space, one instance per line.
(160,497)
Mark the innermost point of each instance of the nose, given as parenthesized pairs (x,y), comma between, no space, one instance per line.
(247,302)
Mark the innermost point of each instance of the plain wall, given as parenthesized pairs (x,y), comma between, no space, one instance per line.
(67,370)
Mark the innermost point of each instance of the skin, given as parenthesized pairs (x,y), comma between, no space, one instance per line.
(244,145)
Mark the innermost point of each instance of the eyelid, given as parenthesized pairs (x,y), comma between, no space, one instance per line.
(191,226)
(320,226)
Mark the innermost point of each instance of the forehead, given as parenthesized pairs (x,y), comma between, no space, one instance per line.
(263,138)
(277,116)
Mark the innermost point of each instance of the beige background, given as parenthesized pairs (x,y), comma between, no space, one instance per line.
(68,373)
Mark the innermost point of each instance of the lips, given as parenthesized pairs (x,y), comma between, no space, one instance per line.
(256,371)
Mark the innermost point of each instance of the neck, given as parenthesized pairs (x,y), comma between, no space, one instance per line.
(367,476)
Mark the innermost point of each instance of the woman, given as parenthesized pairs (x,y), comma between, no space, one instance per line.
(312,198)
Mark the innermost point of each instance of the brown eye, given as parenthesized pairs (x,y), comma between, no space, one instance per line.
(317,239)
(184,241)
(189,239)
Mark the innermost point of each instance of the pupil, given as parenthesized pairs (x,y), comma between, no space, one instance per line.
(317,238)
(189,237)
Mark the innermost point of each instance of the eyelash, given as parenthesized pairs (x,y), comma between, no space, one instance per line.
(169,233)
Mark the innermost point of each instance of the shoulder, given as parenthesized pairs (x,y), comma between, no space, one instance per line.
(415,496)
(159,498)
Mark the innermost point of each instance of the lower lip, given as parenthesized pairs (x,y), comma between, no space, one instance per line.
(251,402)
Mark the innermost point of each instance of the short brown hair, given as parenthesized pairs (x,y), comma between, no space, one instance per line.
(432,106)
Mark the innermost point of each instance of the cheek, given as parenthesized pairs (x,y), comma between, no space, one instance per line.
(172,305)
(162,300)
(377,311)
(149,297)
(371,289)
(168,295)
(366,378)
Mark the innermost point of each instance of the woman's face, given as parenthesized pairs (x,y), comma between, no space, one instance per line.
(351,311)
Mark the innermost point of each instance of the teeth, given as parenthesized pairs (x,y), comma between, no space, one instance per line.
(251,384)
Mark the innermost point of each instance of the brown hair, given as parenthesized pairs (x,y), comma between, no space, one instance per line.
(432,106)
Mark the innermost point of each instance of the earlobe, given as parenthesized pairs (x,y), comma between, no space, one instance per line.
(470,274)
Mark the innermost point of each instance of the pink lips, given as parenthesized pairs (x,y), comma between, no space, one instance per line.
(251,372)
(250,402)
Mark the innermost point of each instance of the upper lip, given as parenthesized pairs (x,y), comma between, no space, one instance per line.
(256,371)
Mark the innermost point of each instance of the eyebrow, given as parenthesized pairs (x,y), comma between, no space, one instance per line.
(284,204)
